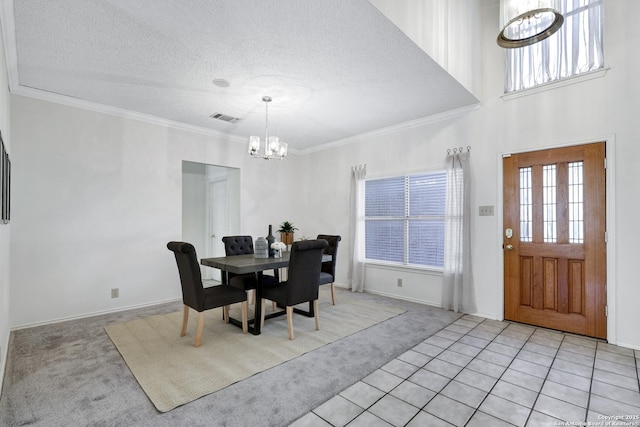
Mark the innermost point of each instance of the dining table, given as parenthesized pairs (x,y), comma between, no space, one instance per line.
(248,263)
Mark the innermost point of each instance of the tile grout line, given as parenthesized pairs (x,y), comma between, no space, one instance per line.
(403,380)
(545,378)
(450,380)
(593,371)
(475,410)
(422,367)
(420,409)
(505,370)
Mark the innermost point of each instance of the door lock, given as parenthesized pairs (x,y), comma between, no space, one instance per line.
(509,247)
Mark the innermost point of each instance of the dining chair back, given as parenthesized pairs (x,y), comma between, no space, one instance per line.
(302,282)
(304,271)
(237,245)
(328,270)
(199,298)
(243,245)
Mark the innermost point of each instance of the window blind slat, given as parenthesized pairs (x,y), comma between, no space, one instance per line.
(404,219)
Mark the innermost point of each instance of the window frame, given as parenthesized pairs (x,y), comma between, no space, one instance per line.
(563,45)
(405,265)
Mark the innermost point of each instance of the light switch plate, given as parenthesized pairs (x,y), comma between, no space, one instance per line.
(486,210)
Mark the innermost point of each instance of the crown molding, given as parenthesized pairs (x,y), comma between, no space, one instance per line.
(412,124)
(129,114)
(122,112)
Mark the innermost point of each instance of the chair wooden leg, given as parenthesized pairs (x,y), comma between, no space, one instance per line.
(317,314)
(273,305)
(290,321)
(245,326)
(185,320)
(252,295)
(262,314)
(200,330)
(333,294)
(225,314)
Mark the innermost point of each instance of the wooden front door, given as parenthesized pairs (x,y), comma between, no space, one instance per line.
(554,239)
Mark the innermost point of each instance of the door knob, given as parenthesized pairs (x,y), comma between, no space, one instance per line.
(509,247)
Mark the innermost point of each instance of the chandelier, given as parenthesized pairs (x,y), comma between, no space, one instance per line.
(273,148)
(525,22)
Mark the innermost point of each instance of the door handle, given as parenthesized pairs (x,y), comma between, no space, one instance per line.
(509,247)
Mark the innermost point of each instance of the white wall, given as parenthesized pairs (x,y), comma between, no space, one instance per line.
(5,230)
(96,197)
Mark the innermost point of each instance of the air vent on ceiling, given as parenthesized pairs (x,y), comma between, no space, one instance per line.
(224,118)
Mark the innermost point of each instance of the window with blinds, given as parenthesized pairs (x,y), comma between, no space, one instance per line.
(404,219)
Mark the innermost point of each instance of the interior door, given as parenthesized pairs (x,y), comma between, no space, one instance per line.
(554,239)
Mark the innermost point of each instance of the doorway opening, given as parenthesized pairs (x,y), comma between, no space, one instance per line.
(210,209)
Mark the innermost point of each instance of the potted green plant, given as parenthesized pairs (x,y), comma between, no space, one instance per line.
(286,231)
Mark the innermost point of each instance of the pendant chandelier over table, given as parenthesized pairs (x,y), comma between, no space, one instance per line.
(272,148)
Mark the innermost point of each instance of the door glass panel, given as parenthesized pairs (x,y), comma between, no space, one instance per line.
(526,206)
(576,202)
(549,204)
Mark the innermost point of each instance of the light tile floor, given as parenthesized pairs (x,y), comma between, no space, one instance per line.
(479,372)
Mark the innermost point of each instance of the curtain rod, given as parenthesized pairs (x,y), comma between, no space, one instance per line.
(457,150)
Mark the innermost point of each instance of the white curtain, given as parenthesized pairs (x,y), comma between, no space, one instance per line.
(575,48)
(356,229)
(457,292)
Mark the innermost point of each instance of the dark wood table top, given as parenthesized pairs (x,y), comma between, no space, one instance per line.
(241,264)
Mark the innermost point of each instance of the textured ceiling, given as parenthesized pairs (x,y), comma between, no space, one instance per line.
(334,68)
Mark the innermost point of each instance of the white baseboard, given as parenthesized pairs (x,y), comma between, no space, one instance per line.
(621,344)
(486,316)
(4,354)
(96,313)
(418,301)
(389,295)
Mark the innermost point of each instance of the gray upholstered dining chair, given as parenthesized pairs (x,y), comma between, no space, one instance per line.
(199,298)
(328,271)
(302,282)
(243,245)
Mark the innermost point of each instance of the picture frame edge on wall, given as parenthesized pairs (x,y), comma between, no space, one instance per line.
(5,182)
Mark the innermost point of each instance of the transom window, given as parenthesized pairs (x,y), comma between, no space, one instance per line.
(576,48)
(404,219)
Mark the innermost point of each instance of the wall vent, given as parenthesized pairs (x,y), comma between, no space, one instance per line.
(224,118)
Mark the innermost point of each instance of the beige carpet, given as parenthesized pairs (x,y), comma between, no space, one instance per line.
(172,372)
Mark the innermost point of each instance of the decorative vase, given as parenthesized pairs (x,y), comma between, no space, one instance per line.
(261,249)
(278,253)
(271,240)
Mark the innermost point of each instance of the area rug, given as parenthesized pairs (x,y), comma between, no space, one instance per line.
(172,372)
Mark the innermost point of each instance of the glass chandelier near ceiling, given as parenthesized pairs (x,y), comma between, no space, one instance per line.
(525,22)
(273,148)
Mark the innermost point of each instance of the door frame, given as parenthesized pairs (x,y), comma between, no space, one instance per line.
(209,245)
(610,154)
